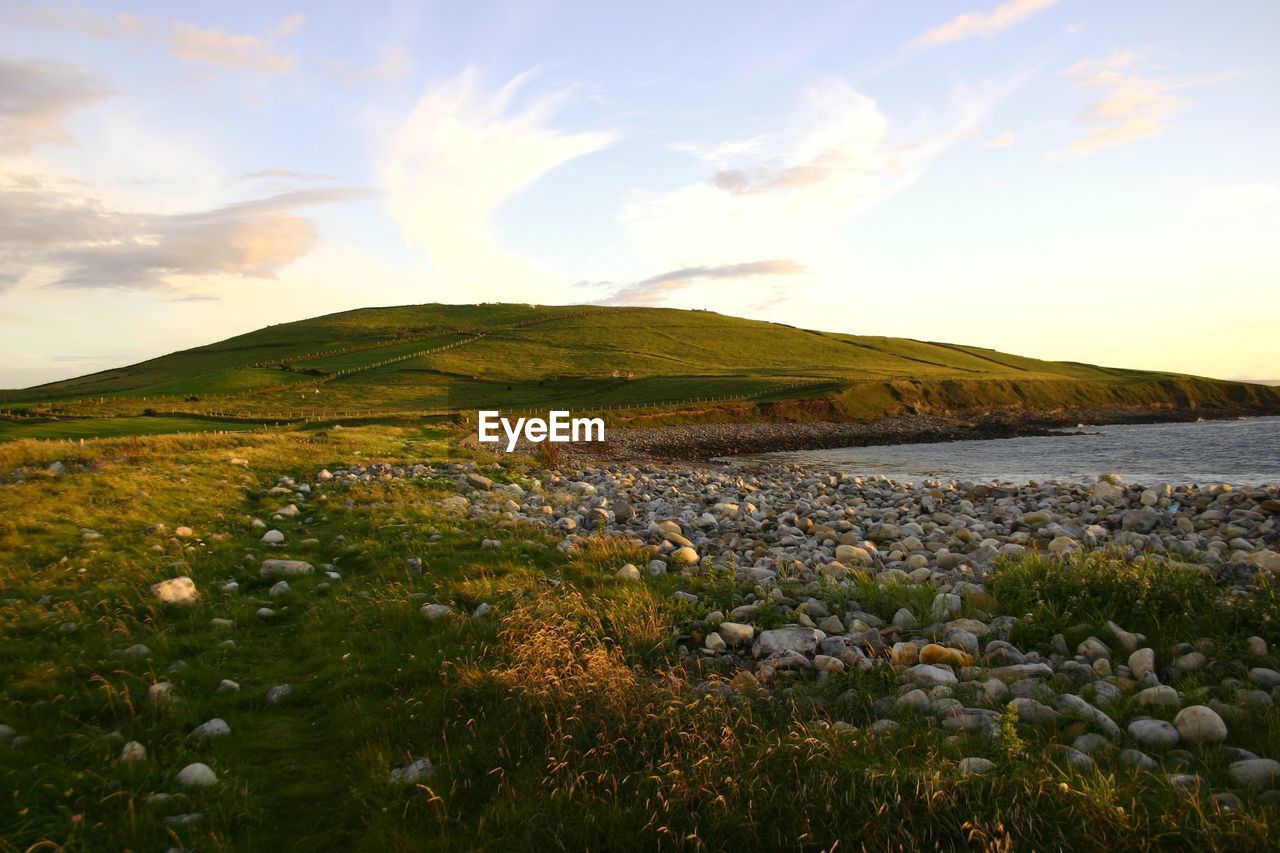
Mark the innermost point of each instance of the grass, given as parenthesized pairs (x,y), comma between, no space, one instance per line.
(1170,603)
(566,720)
(522,356)
(64,428)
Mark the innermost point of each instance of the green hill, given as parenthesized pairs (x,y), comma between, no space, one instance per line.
(460,357)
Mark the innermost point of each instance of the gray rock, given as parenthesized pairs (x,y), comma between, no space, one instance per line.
(197,775)
(412,773)
(1256,773)
(285,568)
(789,638)
(1154,733)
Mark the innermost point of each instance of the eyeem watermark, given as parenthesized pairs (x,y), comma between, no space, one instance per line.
(559,427)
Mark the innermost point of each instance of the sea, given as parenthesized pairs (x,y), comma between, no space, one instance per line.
(1243,452)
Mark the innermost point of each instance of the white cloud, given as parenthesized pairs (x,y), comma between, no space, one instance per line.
(455,159)
(1135,104)
(981,24)
(1004,140)
(186,41)
(35,99)
(1235,199)
(791,195)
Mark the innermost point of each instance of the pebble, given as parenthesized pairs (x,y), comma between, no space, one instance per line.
(279,693)
(217,727)
(1154,733)
(1199,724)
(197,775)
(133,753)
(412,773)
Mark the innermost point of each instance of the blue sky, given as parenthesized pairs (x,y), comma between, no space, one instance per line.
(1067,179)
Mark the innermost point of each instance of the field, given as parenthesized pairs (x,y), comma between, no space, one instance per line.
(457,358)
(564,719)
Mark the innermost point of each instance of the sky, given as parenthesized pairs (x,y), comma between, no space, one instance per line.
(1078,180)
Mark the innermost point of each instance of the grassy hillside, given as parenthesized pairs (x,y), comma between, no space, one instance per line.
(459,357)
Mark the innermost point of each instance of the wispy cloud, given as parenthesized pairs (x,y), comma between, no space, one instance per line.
(456,158)
(277,172)
(791,194)
(1004,140)
(1135,103)
(183,40)
(393,67)
(981,24)
(35,99)
(85,244)
(655,290)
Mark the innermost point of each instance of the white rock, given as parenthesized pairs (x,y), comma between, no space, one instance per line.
(180,590)
(628,573)
(273,537)
(133,753)
(736,633)
(1200,724)
(197,776)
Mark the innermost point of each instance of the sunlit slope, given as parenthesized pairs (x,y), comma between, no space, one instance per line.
(461,356)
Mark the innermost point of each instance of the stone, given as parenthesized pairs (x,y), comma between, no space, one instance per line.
(412,773)
(1199,724)
(1255,647)
(1141,662)
(628,573)
(1161,695)
(285,568)
(934,653)
(1154,733)
(436,612)
(736,633)
(180,590)
(278,589)
(133,753)
(197,775)
(272,537)
(714,642)
(1137,760)
(930,675)
(160,692)
(974,765)
(1074,706)
(479,481)
(853,555)
(1256,773)
(279,693)
(226,685)
(685,556)
(217,727)
(790,638)
(1035,713)
(1268,678)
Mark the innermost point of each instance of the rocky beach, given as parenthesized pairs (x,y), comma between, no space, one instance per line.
(777,562)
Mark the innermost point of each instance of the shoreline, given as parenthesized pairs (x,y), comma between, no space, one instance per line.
(707,443)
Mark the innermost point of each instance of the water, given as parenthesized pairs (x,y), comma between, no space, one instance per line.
(1240,452)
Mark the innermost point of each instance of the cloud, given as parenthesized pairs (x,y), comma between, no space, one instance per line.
(981,24)
(84,244)
(791,194)
(653,291)
(1235,199)
(393,68)
(290,174)
(1134,105)
(183,40)
(1004,140)
(458,156)
(35,99)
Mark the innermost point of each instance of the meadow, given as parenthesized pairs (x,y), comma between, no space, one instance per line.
(563,719)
